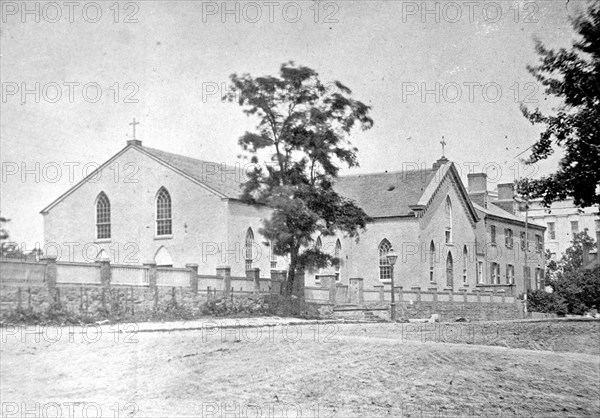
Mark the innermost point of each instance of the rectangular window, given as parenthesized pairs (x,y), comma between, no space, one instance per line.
(510,274)
(551,230)
(527,277)
(540,242)
(495,273)
(597,222)
(538,278)
(508,238)
(493,234)
(523,241)
(480,272)
(385,272)
(574,227)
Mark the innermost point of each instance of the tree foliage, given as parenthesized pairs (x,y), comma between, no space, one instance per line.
(575,290)
(573,76)
(299,143)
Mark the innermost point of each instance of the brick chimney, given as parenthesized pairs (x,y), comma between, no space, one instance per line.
(478,188)
(506,197)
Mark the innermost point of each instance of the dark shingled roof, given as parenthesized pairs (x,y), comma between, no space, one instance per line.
(501,213)
(385,194)
(379,195)
(224,179)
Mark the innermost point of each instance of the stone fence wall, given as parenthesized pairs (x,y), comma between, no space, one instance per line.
(90,288)
(416,303)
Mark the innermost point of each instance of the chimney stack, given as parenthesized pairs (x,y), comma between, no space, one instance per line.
(506,197)
(478,188)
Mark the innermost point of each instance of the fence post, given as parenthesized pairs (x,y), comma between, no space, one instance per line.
(151,274)
(193,277)
(417,290)
(254,275)
(104,272)
(51,273)
(224,272)
(328,282)
(51,278)
(278,277)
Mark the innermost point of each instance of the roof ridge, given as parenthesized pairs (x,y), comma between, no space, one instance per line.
(150,149)
(388,172)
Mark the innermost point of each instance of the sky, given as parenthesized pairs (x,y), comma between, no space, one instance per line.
(74,76)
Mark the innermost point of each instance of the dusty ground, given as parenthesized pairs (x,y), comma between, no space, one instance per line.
(310,371)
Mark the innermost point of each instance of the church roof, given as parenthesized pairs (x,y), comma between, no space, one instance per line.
(498,212)
(379,195)
(224,179)
(386,194)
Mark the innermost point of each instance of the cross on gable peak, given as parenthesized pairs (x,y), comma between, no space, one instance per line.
(134,140)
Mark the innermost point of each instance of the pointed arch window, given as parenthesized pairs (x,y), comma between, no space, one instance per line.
(338,263)
(465,264)
(319,246)
(448,228)
(102,217)
(164,221)
(449,270)
(385,269)
(431,261)
(249,245)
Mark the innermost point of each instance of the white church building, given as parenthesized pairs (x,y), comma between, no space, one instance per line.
(173,210)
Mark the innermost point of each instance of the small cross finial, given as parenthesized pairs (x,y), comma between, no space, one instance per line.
(443,142)
(133,124)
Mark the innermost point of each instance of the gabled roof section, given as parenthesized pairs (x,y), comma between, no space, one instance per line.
(223,180)
(386,194)
(497,212)
(399,193)
(444,170)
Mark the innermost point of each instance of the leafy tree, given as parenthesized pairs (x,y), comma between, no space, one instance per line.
(580,290)
(300,139)
(3,231)
(573,76)
(575,290)
(572,260)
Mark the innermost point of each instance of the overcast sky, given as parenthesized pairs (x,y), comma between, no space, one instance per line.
(167,63)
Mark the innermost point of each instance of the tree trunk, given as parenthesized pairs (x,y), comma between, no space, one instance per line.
(291,276)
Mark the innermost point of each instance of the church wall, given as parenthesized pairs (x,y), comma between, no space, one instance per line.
(432,228)
(131,184)
(240,218)
(362,259)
